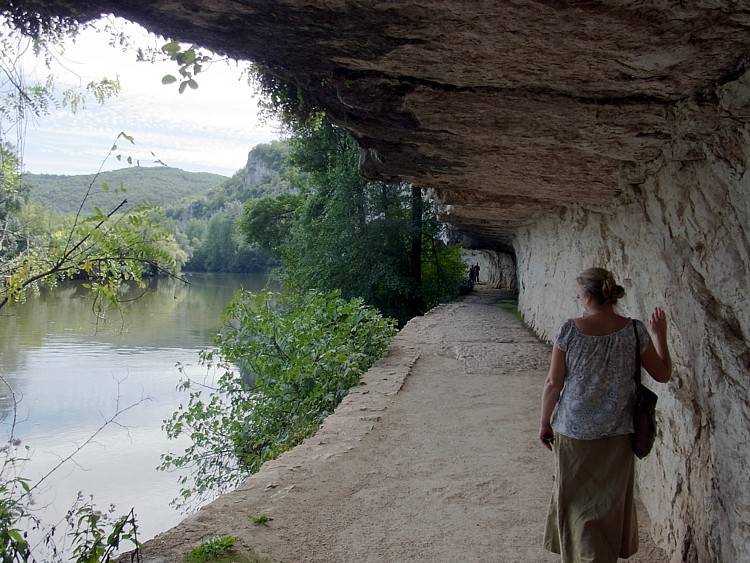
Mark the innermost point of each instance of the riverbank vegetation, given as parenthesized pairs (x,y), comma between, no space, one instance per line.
(108,248)
(206,225)
(285,360)
(200,211)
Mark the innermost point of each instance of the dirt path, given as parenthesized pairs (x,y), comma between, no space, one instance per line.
(434,458)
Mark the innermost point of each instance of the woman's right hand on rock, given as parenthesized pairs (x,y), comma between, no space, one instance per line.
(659,323)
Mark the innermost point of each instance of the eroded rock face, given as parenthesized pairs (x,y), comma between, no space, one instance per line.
(258,171)
(542,103)
(682,245)
(611,133)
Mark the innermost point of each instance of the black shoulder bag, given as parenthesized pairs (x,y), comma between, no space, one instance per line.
(644,410)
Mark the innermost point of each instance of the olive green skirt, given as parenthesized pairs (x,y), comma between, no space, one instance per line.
(592,516)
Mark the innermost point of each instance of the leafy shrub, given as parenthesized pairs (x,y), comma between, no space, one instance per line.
(443,273)
(88,535)
(211,549)
(286,361)
(97,535)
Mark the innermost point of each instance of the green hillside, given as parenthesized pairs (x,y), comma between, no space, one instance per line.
(158,185)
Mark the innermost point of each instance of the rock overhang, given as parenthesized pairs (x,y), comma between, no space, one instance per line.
(506,110)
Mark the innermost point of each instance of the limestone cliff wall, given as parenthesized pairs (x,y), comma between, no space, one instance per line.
(497,269)
(258,170)
(683,245)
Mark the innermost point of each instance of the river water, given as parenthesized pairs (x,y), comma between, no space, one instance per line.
(70,374)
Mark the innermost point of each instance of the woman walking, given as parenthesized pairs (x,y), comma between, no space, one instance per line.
(587,419)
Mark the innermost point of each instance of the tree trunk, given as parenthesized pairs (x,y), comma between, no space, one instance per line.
(438,271)
(416,246)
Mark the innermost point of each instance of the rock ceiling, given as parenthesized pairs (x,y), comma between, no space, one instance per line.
(507,109)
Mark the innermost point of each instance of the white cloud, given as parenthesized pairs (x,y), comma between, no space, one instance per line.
(208,129)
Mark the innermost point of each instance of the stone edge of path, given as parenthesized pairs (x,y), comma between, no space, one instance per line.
(339,433)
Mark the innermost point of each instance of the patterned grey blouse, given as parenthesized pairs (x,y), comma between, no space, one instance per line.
(597,397)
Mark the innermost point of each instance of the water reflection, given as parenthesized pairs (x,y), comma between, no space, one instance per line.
(72,373)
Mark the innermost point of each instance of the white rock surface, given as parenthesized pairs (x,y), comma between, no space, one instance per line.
(682,244)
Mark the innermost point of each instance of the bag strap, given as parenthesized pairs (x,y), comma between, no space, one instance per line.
(637,355)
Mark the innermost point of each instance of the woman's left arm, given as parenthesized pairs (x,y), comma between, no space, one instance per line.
(552,387)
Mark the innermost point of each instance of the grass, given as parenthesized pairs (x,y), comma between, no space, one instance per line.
(509,302)
(211,550)
(260,520)
(221,549)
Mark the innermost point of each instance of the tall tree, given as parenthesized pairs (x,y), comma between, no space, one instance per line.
(345,232)
(416,244)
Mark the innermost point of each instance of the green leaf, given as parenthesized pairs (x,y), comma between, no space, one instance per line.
(189,57)
(18,539)
(171,48)
(182,87)
(193,84)
(168,79)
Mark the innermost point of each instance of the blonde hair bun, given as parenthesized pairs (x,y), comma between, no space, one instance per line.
(601,285)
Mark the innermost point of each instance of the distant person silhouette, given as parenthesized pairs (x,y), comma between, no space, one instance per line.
(477,273)
(473,275)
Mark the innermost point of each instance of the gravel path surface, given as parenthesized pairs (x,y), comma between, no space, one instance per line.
(434,458)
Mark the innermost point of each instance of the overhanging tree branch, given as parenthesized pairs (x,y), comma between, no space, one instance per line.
(58,266)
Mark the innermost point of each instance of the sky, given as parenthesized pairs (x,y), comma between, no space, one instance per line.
(210,129)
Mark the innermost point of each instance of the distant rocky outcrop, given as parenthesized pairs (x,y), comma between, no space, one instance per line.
(262,176)
(265,165)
